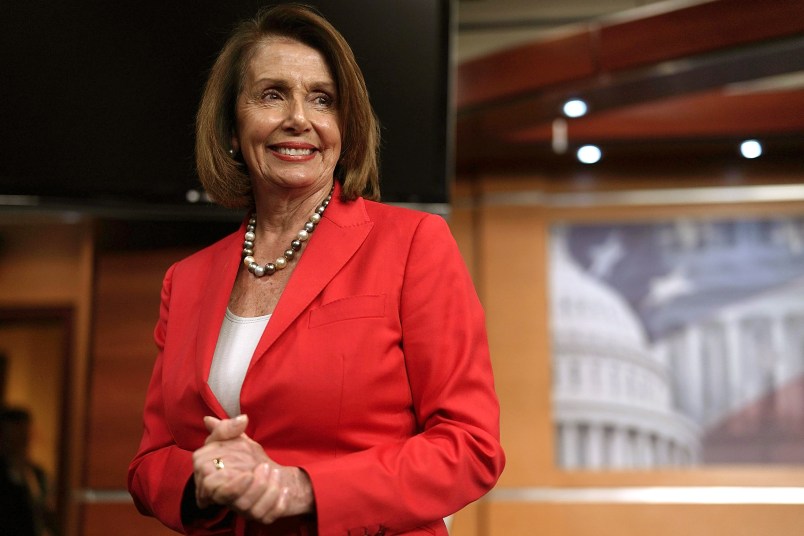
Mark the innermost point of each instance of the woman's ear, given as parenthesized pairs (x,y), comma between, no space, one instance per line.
(235,141)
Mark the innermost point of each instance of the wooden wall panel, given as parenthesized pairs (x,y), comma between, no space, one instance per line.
(41,261)
(119,520)
(118,393)
(511,274)
(127,288)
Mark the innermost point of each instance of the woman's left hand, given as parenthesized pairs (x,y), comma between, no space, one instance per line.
(233,470)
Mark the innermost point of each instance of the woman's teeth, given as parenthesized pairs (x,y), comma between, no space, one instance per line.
(294,152)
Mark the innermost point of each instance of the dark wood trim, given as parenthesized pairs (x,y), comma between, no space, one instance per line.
(518,71)
(696,29)
(600,51)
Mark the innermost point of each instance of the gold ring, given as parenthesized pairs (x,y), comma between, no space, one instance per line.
(218,463)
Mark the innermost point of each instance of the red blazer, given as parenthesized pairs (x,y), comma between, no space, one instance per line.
(373,375)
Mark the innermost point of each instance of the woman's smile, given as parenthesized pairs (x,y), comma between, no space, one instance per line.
(293,152)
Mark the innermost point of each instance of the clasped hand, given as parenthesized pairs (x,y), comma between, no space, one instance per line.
(244,478)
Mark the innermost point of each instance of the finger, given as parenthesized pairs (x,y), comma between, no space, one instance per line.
(228,429)
(201,502)
(209,480)
(264,508)
(200,496)
(210,422)
(221,486)
(280,507)
(259,485)
(231,488)
(201,492)
(231,456)
(211,458)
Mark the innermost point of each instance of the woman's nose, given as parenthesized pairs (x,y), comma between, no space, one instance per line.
(296,118)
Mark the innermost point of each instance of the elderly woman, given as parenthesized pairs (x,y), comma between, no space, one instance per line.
(325,369)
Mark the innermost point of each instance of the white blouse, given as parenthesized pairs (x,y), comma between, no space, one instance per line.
(236,344)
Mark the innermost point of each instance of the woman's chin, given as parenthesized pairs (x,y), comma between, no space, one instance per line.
(296,181)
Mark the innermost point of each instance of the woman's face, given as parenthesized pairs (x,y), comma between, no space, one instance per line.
(288,129)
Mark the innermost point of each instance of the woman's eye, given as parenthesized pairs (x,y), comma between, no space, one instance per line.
(270,94)
(323,100)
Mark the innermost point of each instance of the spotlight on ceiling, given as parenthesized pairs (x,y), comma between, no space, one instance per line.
(589,154)
(751,149)
(575,108)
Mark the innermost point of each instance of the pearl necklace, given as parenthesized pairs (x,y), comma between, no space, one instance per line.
(295,246)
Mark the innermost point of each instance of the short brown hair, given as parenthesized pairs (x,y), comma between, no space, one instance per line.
(225,179)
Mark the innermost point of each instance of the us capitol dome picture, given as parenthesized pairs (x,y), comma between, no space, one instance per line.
(677,343)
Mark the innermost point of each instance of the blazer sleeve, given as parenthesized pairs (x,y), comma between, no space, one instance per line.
(160,475)
(457,456)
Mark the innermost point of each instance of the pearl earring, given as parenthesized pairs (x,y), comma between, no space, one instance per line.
(231,152)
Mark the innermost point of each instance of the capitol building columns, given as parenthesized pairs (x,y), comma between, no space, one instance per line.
(735,379)
(599,447)
(744,353)
(613,399)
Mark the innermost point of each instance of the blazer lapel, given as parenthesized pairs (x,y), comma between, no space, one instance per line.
(220,280)
(341,232)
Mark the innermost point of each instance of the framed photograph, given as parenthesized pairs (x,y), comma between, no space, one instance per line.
(677,340)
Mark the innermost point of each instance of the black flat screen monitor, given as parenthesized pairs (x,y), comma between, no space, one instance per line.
(98,98)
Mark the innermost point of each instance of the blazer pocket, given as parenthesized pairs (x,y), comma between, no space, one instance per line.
(353,307)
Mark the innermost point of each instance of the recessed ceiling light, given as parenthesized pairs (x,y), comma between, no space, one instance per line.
(751,148)
(575,108)
(589,154)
